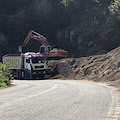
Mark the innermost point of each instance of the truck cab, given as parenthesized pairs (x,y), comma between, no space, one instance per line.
(35,64)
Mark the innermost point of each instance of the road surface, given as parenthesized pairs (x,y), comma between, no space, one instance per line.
(58,100)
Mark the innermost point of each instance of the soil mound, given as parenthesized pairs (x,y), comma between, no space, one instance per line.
(105,67)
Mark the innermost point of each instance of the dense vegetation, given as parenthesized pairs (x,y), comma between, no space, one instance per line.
(83,27)
(5,76)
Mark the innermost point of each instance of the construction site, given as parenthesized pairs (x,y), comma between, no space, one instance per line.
(54,63)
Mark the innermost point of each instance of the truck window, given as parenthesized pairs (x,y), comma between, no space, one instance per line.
(38,60)
(28,60)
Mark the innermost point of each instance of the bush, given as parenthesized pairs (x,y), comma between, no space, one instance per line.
(114,8)
(5,76)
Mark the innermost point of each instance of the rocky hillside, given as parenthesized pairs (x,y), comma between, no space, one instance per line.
(93,27)
(83,27)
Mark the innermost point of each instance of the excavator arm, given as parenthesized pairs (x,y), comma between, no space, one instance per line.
(34,35)
(45,48)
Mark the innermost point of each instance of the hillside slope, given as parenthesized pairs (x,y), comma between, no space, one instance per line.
(104,67)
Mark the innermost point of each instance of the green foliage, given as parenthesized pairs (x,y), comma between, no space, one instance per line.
(5,76)
(66,2)
(114,8)
(3,84)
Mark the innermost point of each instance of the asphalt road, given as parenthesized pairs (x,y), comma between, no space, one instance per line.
(58,100)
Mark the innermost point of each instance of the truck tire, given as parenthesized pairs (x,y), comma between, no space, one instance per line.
(19,75)
(41,76)
(26,75)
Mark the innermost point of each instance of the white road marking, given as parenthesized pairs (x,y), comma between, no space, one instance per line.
(31,96)
(113,113)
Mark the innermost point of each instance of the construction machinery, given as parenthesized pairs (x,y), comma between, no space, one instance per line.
(45,49)
(28,65)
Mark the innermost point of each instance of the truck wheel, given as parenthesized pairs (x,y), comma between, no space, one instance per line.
(34,76)
(41,77)
(19,75)
(26,75)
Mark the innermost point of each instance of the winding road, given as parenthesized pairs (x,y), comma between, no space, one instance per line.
(58,100)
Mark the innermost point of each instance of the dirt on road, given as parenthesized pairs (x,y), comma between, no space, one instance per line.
(99,68)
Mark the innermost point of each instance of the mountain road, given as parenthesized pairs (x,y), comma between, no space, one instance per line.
(58,100)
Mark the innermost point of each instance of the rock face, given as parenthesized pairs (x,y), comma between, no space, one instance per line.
(3,44)
(84,44)
(104,67)
(3,40)
(82,27)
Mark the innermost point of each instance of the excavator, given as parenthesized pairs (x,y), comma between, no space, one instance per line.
(45,49)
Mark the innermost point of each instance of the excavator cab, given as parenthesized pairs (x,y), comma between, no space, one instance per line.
(45,50)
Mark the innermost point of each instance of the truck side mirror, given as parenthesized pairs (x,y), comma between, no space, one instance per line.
(20,49)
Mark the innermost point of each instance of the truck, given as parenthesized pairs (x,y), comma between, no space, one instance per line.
(45,48)
(27,65)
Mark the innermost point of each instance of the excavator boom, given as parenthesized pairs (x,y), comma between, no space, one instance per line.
(34,35)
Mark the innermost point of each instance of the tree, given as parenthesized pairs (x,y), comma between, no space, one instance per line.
(115,8)
(5,76)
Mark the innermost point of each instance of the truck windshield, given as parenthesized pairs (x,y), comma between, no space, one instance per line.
(38,60)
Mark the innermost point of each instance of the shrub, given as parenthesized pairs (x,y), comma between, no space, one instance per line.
(5,75)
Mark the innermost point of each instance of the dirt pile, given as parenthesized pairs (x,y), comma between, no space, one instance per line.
(104,67)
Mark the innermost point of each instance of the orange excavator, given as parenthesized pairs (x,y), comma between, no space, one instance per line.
(45,49)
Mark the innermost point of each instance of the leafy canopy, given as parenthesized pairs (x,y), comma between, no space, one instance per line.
(114,8)
(5,76)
